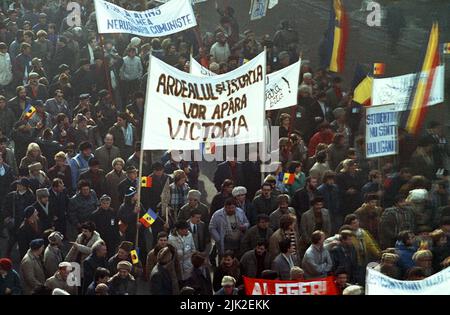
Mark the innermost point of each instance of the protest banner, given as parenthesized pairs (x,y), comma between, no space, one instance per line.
(258,9)
(184,110)
(320,286)
(169,18)
(380,284)
(397,90)
(381,131)
(281,86)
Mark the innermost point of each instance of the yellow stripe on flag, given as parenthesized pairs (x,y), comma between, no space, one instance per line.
(363,92)
(419,93)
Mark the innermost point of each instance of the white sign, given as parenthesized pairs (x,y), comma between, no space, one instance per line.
(258,9)
(381,131)
(172,17)
(398,89)
(272,3)
(379,284)
(281,86)
(192,1)
(185,110)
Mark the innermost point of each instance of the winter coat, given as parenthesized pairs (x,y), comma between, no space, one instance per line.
(11,281)
(249,264)
(185,247)
(265,206)
(81,208)
(32,272)
(57,282)
(393,221)
(281,265)
(308,224)
(222,271)
(276,215)
(405,254)
(107,227)
(317,262)
(200,281)
(218,226)
(52,258)
(161,281)
(173,266)
(80,252)
(90,264)
(119,286)
(6,74)
(252,236)
(105,156)
(276,238)
(112,181)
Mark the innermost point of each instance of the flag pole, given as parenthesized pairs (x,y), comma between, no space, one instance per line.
(141,156)
(294,108)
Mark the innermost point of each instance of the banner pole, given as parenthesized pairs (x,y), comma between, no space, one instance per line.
(294,108)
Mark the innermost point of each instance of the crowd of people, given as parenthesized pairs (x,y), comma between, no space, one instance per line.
(71,110)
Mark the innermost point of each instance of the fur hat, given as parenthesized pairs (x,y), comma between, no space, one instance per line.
(239,190)
(353,290)
(417,195)
(228,281)
(55,237)
(42,192)
(126,265)
(194,194)
(164,256)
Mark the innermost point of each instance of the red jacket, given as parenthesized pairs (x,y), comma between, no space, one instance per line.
(319,137)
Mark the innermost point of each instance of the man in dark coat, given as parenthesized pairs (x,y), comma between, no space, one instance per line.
(96,259)
(344,256)
(261,231)
(95,177)
(160,277)
(200,279)
(46,217)
(130,181)
(301,201)
(228,170)
(122,283)
(256,260)
(59,204)
(106,224)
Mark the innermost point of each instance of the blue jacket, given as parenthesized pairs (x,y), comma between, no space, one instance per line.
(78,165)
(330,195)
(405,253)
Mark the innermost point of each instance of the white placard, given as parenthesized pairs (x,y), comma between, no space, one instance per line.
(258,9)
(184,110)
(172,17)
(380,284)
(281,86)
(381,131)
(398,89)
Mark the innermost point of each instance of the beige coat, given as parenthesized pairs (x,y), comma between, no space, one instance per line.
(274,247)
(32,272)
(84,250)
(112,181)
(57,282)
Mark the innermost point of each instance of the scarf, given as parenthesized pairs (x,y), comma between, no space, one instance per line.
(128,135)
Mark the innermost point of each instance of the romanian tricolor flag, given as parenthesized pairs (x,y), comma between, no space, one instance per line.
(362,86)
(208,147)
(29,112)
(378,68)
(288,178)
(336,37)
(148,219)
(134,256)
(147,182)
(415,115)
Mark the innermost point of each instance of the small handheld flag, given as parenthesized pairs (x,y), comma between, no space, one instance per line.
(208,147)
(134,257)
(146,182)
(288,178)
(29,112)
(378,68)
(148,219)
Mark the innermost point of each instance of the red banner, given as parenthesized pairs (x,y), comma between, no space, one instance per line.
(321,286)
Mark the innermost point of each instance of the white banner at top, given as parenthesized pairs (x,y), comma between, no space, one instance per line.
(281,86)
(169,18)
(183,110)
(192,1)
(380,284)
(398,89)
